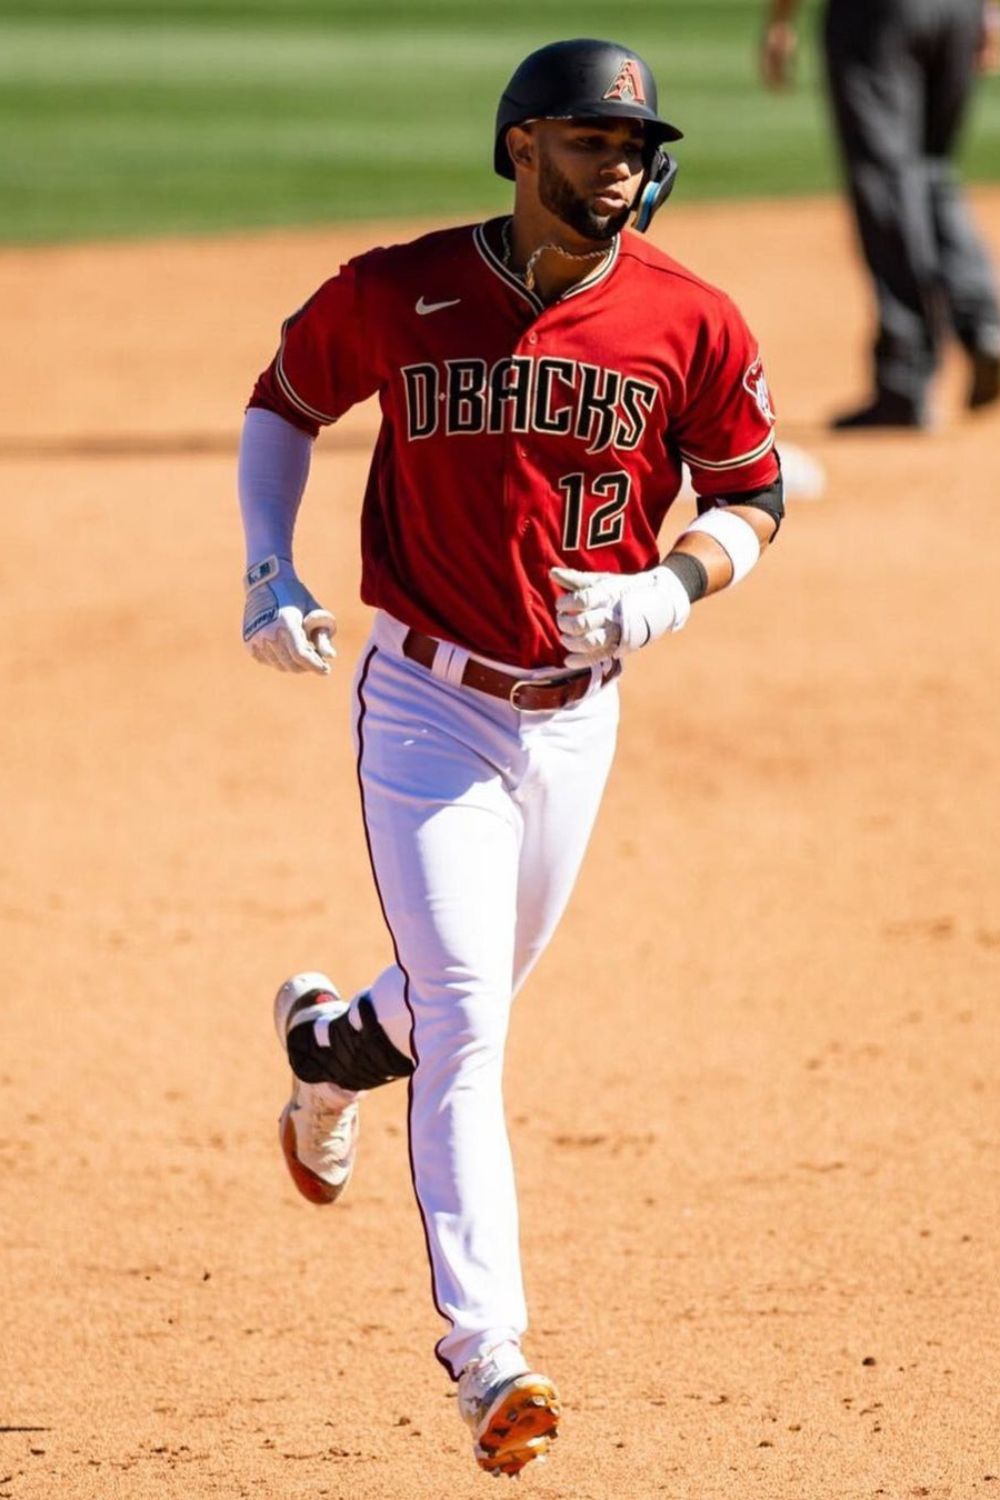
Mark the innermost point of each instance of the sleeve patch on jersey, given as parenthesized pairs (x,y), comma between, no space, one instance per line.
(739,462)
(755,381)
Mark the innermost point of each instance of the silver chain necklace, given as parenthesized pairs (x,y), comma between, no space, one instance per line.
(528,274)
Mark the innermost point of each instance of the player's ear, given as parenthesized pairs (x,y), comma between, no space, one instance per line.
(521,146)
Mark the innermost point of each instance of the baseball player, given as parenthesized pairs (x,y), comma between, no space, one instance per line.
(541,377)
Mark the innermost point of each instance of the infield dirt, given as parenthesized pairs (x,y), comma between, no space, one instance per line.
(752,1087)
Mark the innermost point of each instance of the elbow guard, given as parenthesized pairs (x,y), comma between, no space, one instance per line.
(770,500)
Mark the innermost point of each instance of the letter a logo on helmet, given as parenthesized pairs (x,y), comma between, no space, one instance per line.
(628,84)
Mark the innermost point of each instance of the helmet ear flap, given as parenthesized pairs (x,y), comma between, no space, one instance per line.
(656,188)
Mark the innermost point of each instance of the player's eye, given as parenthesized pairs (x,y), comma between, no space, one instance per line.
(597,142)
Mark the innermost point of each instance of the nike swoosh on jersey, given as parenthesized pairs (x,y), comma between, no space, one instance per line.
(423,308)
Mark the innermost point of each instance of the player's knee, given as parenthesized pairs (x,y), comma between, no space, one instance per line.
(464,1035)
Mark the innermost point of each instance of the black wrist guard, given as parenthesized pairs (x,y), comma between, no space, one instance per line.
(690,571)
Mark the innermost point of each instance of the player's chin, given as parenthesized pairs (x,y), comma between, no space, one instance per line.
(603,222)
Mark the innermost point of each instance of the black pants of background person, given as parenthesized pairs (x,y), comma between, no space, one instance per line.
(900,75)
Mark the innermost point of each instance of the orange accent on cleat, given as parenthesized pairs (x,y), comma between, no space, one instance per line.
(520,1426)
(308,1184)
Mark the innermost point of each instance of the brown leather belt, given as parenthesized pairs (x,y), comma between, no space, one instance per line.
(533,694)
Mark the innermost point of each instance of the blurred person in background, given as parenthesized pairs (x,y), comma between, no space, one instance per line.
(900,73)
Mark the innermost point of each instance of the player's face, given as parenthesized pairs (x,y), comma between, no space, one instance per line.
(589,172)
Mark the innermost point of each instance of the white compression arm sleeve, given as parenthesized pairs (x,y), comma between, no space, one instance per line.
(735,536)
(273,469)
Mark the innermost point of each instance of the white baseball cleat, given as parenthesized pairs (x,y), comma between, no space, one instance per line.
(512,1411)
(318,1128)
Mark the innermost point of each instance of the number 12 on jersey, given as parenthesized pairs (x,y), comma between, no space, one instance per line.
(606,524)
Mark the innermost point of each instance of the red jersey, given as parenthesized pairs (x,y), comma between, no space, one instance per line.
(517,436)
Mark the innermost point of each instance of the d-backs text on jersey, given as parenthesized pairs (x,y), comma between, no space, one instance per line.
(522,393)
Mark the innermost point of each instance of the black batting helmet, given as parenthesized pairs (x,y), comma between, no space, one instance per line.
(579,79)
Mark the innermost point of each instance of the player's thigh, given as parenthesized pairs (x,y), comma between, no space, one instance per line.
(444,839)
(570,770)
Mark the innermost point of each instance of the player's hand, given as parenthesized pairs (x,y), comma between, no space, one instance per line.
(778,47)
(601,615)
(988,49)
(283,625)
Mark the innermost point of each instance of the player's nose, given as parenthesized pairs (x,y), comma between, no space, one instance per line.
(617,167)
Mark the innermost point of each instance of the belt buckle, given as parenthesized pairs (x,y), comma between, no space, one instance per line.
(535,682)
(529,682)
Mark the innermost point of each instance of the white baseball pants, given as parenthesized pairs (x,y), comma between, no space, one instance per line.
(477,817)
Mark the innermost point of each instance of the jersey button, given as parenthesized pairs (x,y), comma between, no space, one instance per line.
(532,338)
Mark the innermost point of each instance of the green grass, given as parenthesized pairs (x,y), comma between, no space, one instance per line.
(126,117)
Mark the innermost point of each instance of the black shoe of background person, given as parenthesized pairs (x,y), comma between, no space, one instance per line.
(984,387)
(888,409)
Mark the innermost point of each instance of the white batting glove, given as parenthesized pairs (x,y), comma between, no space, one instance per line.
(609,614)
(283,625)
